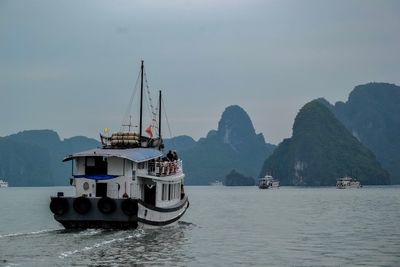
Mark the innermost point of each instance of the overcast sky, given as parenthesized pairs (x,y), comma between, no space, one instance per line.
(71,66)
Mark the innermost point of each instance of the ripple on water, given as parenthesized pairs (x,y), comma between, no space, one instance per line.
(29,233)
(227,227)
(139,247)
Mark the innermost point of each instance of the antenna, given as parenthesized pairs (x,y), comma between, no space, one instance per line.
(141,103)
(159,117)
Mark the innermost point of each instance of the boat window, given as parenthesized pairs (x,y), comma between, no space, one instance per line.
(95,165)
(173,191)
(141,165)
(169,192)
(178,187)
(90,162)
(164,192)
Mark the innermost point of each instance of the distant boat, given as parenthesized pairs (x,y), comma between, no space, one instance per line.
(216,183)
(3,184)
(268,182)
(347,182)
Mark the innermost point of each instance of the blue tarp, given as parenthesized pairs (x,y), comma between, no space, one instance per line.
(133,154)
(96,177)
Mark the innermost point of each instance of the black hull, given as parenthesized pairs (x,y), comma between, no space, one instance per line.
(98,225)
(73,217)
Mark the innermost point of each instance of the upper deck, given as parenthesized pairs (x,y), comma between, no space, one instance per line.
(105,163)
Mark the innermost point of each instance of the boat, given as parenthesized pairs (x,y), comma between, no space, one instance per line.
(347,182)
(268,182)
(216,183)
(127,183)
(3,184)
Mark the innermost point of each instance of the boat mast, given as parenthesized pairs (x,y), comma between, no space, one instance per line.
(141,103)
(159,117)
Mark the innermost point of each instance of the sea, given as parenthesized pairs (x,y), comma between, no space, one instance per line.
(224,226)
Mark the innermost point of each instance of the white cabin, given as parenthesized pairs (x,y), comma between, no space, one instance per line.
(137,173)
(268,182)
(347,182)
(3,183)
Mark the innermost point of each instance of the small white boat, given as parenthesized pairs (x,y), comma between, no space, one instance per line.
(347,182)
(127,183)
(3,184)
(268,182)
(216,183)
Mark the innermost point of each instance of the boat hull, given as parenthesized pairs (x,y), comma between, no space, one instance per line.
(144,215)
(348,186)
(268,185)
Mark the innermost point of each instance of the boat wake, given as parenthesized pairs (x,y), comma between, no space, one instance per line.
(30,233)
(184,224)
(136,234)
(87,232)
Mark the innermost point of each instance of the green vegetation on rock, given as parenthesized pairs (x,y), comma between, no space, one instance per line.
(234,145)
(236,179)
(372,114)
(321,150)
(34,158)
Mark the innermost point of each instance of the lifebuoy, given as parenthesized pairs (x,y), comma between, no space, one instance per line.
(82,205)
(106,205)
(129,207)
(59,206)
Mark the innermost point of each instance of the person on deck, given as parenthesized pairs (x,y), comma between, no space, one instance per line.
(175,155)
(170,156)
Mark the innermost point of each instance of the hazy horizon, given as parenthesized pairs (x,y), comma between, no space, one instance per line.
(71,66)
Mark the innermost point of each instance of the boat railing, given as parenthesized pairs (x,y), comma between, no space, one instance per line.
(165,168)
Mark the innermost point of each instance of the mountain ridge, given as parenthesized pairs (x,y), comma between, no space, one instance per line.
(233,145)
(320,151)
(371,115)
(43,152)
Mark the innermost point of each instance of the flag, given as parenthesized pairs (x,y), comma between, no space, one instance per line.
(149,132)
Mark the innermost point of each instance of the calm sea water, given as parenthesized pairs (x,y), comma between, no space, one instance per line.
(241,226)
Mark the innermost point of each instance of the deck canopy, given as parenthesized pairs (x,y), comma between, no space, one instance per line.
(132,154)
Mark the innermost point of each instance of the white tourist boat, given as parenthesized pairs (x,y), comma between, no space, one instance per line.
(268,182)
(216,183)
(3,184)
(347,182)
(127,183)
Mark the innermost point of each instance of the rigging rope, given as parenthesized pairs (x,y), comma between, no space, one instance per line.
(151,108)
(166,118)
(153,111)
(128,110)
